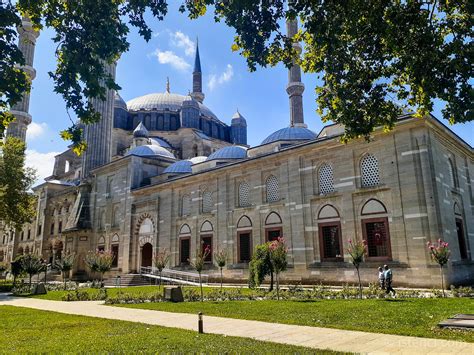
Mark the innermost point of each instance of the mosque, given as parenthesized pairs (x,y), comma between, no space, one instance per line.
(163,171)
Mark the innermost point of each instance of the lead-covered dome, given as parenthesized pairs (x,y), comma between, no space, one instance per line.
(180,167)
(290,134)
(231,152)
(151,151)
(119,102)
(164,101)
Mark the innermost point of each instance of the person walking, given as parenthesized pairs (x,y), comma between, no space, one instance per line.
(388,280)
(381,278)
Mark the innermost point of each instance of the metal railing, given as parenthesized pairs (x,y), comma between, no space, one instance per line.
(174,275)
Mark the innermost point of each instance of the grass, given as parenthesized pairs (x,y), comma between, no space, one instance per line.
(411,317)
(23,331)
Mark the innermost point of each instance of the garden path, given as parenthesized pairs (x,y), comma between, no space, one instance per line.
(312,337)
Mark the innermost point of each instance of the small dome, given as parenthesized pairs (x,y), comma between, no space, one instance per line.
(290,134)
(140,131)
(150,151)
(180,167)
(119,102)
(231,152)
(197,160)
(159,141)
(238,119)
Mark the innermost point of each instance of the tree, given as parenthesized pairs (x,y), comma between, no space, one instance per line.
(3,267)
(357,250)
(16,268)
(220,256)
(278,253)
(31,264)
(440,253)
(198,264)
(261,266)
(17,205)
(161,259)
(65,265)
(366,53)
(99,261)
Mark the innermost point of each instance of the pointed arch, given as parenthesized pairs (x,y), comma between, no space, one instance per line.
(244,222)
(373,206)
(207,227)
(328,211)
(457,209)
(273,218)
(185,229)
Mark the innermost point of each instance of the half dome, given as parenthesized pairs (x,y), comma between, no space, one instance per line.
(231,152)
(150,151)
(290,134)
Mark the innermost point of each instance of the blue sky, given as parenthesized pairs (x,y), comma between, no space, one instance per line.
(260,96)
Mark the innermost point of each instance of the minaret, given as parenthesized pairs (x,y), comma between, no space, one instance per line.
(98,136)
(26,42)
(197,93)
(295,87)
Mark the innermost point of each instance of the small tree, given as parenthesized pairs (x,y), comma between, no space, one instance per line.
(278,253)
(3,267)
(99,261)
(260,266)
(161,259)
(198,264)
(440,253)
(65,265)
(220,256)
(357,250)
(16,268)
(32,265)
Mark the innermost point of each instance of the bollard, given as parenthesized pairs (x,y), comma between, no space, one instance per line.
(200,324)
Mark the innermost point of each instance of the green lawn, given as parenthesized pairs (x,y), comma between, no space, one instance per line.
(32,331)
(412,317)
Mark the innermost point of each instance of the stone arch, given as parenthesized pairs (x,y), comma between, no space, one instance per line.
(185,229)
(145,229)
(457,209)
(373,206)
(273,218)
(101,240)
(244,222)
(207,227)
(115,238)
(328,211)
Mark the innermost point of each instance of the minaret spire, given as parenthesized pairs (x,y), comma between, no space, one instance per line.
(26,42)
(197,93)
(168,84)
(295,87)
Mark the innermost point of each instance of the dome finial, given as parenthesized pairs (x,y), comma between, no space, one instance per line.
(168,84)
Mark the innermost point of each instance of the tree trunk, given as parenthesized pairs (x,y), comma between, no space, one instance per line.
(30,280)
(200,285)
(278,285)
(64,278)
(221,279)
(160,278)
(360,285)
(271,282)
(442,279)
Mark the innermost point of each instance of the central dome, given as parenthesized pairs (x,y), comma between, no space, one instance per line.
(163,101)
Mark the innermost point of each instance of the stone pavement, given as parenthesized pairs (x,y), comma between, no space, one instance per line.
(312,337)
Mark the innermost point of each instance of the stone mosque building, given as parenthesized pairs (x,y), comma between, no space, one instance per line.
(163,171)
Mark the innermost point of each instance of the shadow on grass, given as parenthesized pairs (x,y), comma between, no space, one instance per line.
(393,300)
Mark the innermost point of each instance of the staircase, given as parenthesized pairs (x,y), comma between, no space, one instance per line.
(174,276)
(129,280)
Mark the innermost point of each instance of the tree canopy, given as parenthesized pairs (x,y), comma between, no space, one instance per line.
(373,58)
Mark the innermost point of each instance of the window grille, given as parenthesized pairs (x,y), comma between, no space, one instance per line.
(185,205)
(273,194)
(244,194)
(326,179)
(377,239)
(452,179)
(369,167)
(206,202)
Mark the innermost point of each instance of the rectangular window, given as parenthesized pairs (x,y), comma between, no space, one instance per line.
(461,238)
(115,251)
(378,238)
(245,247)
(29,234)
(330,241)
(206,242)
(184,250)
(39,229)
(273,234)
(60,226)
(52,229)
(101,248)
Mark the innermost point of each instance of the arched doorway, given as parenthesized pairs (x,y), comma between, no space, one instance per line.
(147,255)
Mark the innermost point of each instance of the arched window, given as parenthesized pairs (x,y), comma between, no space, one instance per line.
(463,245)
(330,237)
(369,170)
(244,239)
(326,179)
(375,229)
(101,243)
(207,202)
(273,194)
(2,255)
(206,239)
(27,250)
(20,251)
(184,244)
(244,194)
(67,166)
(273,227)
(146,227)
(114,248)
(185,205)
(452,173)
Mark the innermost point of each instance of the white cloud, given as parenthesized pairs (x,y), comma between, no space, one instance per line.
(180,40)
(42,162)
(169,57)
(36,130)
(216,80)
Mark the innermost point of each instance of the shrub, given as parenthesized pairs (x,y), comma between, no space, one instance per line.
(440,253)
